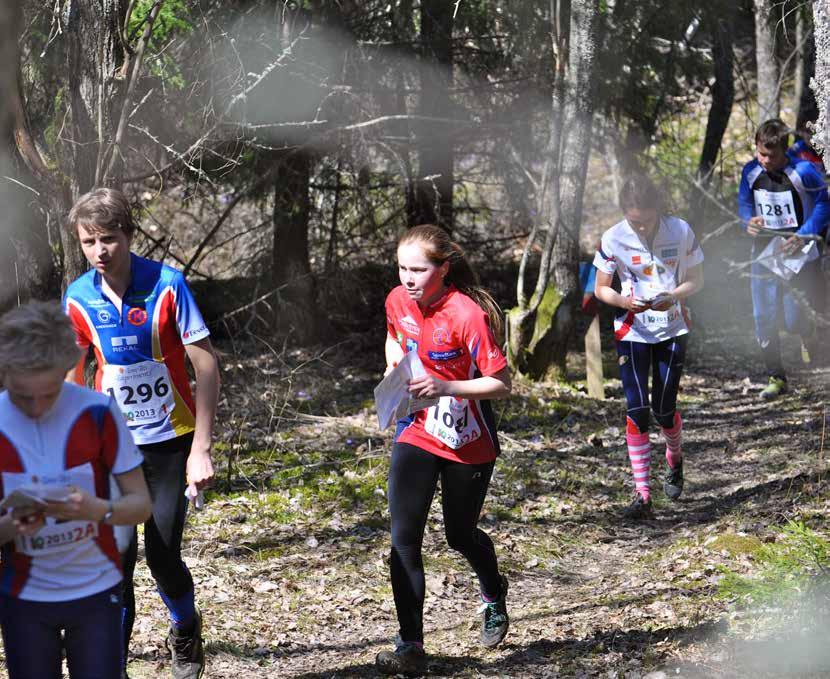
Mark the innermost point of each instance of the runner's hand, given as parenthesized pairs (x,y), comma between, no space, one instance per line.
(80,505)
(28,522)
(636,305)
(428,386)
(199,468)
(792,245)
(663,302)
(754,226)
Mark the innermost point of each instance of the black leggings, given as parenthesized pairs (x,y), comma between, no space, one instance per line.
(165,470)
(413,477)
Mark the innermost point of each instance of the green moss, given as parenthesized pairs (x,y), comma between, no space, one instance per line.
(736,545)
(544,314)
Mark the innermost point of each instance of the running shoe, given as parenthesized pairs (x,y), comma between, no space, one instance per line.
(776,387)
(187,650)
(639,509)
(673,481)
(494,618)
(408,659)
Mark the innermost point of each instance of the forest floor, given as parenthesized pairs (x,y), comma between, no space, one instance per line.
(290,554)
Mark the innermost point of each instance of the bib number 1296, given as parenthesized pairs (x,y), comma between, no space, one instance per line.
(141,392)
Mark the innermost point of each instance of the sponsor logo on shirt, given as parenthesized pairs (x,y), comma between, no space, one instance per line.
(636,259)
(411,345)
(647,271)
(671,262)
(104,316)
(448,355)
(668,252)
(92,303)
(124,343)
(493,353)
(137,316)
(197,331)
(440,336)
(409,324)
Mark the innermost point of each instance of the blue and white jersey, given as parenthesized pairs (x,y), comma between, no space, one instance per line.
(791,200)
(140,349)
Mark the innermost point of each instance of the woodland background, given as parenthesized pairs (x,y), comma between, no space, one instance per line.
(276,150)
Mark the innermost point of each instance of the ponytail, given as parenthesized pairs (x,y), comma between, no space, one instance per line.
(439,248)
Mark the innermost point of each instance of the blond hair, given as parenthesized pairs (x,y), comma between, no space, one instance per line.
(438,248)
(37,336)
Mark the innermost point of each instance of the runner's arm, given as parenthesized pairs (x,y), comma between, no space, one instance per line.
(816,224)
(394,353)
(691,285)
(605,293)
(131,508)
(199,464)
(489,386)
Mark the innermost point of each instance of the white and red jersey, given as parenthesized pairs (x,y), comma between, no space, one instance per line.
(644,273)
(454,341)
(82,440)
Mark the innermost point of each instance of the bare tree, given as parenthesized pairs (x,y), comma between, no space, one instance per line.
(820,83)
(540,325)
(766,61)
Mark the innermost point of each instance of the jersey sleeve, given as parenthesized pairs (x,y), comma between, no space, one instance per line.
(80,321)
(746,206)
(390,315)
(192,326)
(123,455)
(694,253)
(482,344)
(604,259)
(813,182)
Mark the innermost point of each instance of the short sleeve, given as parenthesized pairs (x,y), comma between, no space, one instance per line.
(483,346)
(121,453)
(80,322)
(390,315)
(694,253)
(604,259)
(192,326)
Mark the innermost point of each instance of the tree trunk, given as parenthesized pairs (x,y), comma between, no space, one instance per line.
(433,191)
(723,95)
(766,61)
(94,58)
(291,270)
(820,84)
(539,330)
(805,64)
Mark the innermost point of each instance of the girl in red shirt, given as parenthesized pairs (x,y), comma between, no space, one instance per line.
(440,311)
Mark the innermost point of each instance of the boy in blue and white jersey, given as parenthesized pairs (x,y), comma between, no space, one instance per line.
(790,197)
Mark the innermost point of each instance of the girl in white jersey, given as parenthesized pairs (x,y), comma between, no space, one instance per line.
(659,263)
(60,576)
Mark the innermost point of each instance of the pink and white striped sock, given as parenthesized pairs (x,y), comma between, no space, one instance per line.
(639,452)
(674,454)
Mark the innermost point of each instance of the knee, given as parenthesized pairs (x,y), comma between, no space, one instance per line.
(665,420)
(637,421)
(459,540)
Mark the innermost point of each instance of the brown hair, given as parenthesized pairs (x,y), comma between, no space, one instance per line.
(638,191)
(35,337)
(102,210)
(772,133)
(439,249)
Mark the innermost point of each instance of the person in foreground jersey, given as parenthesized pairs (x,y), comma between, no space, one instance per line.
(440,312)
(142,322)
(660,264)
(787,196)
(61,570)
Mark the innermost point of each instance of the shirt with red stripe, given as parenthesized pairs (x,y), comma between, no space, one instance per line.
(646,272)
(454,341)
(81,440)
(140,349)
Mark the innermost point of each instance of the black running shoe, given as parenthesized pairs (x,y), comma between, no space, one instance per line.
(494,618)
(639,509)
(187,650)
(673,481)
(408,659)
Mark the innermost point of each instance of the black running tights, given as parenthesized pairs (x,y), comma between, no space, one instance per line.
(413,477)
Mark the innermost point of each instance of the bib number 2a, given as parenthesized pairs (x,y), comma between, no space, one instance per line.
(452,423)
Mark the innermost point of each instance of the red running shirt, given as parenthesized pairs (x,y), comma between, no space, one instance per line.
(454,342)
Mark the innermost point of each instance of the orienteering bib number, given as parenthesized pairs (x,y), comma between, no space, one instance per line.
(142,391)
(55,536)
(452,423)
(776,207)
